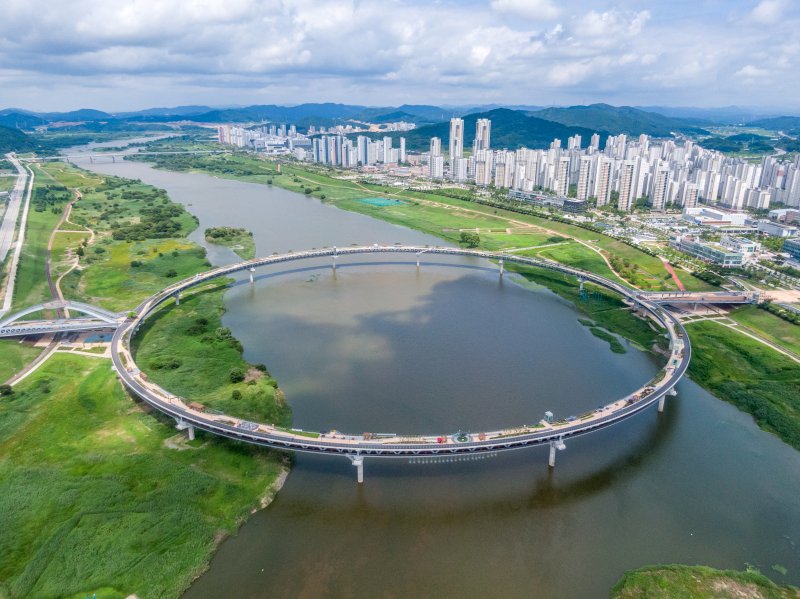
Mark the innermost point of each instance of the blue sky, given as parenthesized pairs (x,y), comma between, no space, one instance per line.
(130,54)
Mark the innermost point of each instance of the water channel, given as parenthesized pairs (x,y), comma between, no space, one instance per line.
(384,348)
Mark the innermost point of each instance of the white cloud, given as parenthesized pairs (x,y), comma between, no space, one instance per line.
(527,9)
(768,11)
(752,72)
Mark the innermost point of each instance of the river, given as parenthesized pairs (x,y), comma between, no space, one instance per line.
(384,348)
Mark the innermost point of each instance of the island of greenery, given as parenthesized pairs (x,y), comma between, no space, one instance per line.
(698,582)
(239,240)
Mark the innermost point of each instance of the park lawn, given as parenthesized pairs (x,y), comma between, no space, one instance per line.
(500,241)
(750,375)
(100,501)
(577,255)
(185,349)
(697,582)
(769,326)
(14,356)
(111,280)
(71,176)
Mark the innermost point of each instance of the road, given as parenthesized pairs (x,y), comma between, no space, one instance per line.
(10,221)
(12,212)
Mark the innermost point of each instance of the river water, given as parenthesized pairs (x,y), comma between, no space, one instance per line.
(382,347)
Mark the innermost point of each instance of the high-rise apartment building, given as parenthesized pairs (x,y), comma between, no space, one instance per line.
(483,131)
(658,191)
(436,146)
(584,178)
(456,139)
(627,176)
(437,167)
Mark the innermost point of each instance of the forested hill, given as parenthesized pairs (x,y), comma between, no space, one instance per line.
(620,119)
(511,129)
(13,140)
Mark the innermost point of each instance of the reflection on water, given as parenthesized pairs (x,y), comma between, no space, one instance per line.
(382,347)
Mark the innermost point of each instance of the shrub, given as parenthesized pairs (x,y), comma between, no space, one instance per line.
(99,250)
(6,390)
(237,375)
(135,263)
(236,394)
(171,273)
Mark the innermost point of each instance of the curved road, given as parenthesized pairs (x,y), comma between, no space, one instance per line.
(357,447)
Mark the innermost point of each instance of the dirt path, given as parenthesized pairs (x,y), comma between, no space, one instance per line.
(674,275)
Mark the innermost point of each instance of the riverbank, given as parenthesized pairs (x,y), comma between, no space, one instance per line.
(97,489)
(84,471)
(698,582)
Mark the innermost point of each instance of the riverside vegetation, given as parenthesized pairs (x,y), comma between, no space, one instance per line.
(96,489)
(239,240)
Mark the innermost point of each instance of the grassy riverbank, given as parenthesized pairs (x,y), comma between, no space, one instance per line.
(239,240)
(186,349)
(697,582)
(750,375)
(769,326)
(98,496)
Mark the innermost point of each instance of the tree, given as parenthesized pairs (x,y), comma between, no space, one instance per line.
(237,375)
(470,239)
(6,390)
(79,251)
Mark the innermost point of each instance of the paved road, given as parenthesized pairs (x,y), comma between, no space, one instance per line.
(12,212)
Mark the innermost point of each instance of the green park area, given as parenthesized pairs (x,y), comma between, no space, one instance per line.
(698,582)
(104,497)
(771,327)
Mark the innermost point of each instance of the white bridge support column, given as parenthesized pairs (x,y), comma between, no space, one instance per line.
(358,462)
(252,280)
(185,426)
(581,281)
(661,403)
(558,444)
(334,263)
(190,432)
(178,299)
(502,267)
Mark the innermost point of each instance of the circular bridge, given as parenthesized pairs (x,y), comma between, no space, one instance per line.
(357,447)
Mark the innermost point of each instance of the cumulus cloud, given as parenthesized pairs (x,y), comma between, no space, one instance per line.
(392,51)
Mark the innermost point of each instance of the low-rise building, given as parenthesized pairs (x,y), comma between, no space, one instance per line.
(774,229)
(792,247)
(709,251)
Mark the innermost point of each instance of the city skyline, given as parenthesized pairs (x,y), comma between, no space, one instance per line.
(634,52)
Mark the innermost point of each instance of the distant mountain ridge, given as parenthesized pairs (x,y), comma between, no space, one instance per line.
(619,119)
(511,129)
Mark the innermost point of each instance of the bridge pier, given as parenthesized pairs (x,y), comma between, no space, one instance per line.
(178,299)
(358,462)
(502,267)
(661,402)
(252,270)
(581,281)
(334,263)
(559,445)
(183,426)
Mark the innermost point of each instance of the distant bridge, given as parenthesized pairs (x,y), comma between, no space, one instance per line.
(14,325)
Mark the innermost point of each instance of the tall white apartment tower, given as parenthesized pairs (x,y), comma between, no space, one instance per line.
(658,193)
(402,156)
(594,144)
(387,150)
(627,176)
(562,176)
(436,146)
(483,131)
(456,139)
(437,166)
(584,177)
(602,181)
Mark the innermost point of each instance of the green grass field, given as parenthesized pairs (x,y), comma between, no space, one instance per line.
(14,356)
(103,497)
(769,326)
(185,349)
(697,582)
(750,375)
